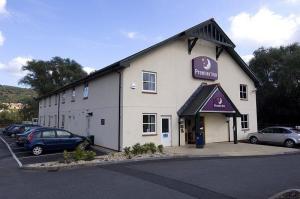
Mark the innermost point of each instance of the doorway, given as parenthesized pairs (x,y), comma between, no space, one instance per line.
(166,132)
(190,134)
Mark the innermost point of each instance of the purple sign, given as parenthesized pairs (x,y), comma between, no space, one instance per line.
(217,103)
(205,68)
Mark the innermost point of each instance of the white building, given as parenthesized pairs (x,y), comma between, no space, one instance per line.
(192,82)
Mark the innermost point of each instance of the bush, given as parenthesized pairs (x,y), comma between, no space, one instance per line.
(137,149)
(79,154)
(152,147)
(160,148)
(127,151)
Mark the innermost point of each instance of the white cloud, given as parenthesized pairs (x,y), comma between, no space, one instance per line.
(89,69)
(264,27)
(134,35)
(3,7)
(292,1)
(14,66)
(1,38)
(247,58)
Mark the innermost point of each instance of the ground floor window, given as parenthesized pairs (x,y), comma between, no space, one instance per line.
(149,123)
(245,121)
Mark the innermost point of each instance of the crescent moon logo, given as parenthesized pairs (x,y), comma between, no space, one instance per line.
(219,100)
(208,66)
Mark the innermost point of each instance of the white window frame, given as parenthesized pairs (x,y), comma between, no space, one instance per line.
(155,82)
(73,94)
(245,121)
(86,91)
(63,97)
(243,92)
(155,124)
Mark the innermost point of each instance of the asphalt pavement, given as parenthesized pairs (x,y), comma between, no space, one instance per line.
(238,177)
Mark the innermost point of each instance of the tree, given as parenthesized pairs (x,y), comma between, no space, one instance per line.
(46,76)
(278,98)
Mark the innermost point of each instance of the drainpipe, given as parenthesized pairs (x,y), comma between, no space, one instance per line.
(58,110)
(179,131)
(119,122)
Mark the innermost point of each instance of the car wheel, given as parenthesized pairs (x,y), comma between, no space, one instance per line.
(37,150)
(253,140)
(289,143)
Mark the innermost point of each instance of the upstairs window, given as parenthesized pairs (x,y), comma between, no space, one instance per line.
(243,92)
(245,121)
(50,101)
(85,91)
(63,97)
(149,82)
(73,95)
(55,99)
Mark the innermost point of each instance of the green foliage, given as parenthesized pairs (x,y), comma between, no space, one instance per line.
(278,98)
(127,151)
(12,94)
(139,149)
(78,154)
(160,148)
(60,71)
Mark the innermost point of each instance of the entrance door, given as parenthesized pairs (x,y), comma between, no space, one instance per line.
(166,130)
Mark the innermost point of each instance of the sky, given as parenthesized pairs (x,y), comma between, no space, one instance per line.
(96,33)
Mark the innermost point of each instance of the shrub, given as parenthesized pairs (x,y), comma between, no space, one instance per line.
(136,149)
(67,157)
(127,151)
(89,155)
(160,148)
(79,154)
(152,147)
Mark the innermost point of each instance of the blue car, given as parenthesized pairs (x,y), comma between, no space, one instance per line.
(19,129)
(21,138)
(49,139)
(10,128)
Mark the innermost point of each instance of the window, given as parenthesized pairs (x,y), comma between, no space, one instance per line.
(48,134)
(50,101)
(55,99)
(149,82)
(267,130)
(63,134)
(245,121)
(73,95)
(149,123)
(243,92)
(55,120)
(63,121)
(85,91)
(49,121)
(63,97)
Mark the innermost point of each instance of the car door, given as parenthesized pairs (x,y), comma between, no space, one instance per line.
(265,135)
(50,140)
(64,139)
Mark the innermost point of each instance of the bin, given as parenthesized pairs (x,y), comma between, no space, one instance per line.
(91,138)
(199,140)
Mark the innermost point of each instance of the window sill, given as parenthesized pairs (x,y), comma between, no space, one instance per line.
(244,99)
(247,129)
(149,92)
(149,134)
(85,98)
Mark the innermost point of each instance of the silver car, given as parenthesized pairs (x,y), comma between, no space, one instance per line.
(286,136)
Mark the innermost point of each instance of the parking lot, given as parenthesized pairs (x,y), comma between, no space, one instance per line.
(26,157)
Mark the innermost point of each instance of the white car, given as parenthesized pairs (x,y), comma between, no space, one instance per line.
(286,136)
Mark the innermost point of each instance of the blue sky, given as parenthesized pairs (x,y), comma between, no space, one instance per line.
(96,33)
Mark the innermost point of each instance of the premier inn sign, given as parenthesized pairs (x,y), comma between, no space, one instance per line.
(205,68)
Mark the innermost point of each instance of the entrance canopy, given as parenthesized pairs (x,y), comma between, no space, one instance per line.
(208,99)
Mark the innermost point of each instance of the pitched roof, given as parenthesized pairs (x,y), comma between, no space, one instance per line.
(208,30)
(199,99)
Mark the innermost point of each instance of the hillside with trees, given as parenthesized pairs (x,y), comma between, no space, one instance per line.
(12,94)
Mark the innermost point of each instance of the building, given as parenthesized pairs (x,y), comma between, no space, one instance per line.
(190,83)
